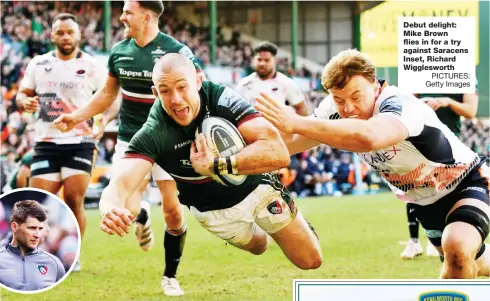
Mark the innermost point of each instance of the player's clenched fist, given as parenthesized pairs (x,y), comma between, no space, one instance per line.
(117,220)
(31,104)
(65,122)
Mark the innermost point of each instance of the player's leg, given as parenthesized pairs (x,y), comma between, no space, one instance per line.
(279,217)
(175,231)
(483,262)
(413,247)
(468,226)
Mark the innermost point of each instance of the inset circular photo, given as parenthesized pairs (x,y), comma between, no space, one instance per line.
(39,240)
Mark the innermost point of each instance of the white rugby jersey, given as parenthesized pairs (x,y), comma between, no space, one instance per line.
(63,87)
(280,87)
(426,166)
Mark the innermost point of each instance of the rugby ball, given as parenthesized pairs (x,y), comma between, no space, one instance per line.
(224,140)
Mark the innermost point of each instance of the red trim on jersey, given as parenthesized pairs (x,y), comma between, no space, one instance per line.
(112,74)
(194,182)
(248,118)
(138,156)
(137,99)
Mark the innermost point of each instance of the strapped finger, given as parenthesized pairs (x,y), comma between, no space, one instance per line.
(202,143)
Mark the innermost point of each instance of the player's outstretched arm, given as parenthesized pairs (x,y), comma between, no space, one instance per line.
(265,150)
(100,102)
(126,176)
(354,135)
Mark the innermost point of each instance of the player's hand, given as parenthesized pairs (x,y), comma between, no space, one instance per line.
(436,103)
(117,220)
(279,115)
(31,104)
(65,122)
(202,157)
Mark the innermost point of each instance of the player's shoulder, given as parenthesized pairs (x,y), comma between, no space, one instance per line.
(42,59)
(283,78)
(120,45)
(247,79)
(393,99)
(50,256)
(327,109)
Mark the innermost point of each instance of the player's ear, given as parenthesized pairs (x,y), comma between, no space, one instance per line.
(14,226)
(154,90)
(199,78)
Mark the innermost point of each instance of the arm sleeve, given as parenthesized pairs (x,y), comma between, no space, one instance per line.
(235,108)
(143,145)
(293,94)
(110,63)
(404,111)
(29,80)
(60,269)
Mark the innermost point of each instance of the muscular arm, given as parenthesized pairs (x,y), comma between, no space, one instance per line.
(265,151)
(353,135)
(297,143)
(467,108)
(124,181)
(22,178)
(100,101)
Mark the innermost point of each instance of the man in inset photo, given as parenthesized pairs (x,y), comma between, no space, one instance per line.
(23,265)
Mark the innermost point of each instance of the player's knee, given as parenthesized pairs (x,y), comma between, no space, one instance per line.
(457,254)
(259,249)
(312,261)
(173,214)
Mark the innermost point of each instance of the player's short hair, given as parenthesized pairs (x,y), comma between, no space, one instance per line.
(266,46)
(23,209)
(63,17)
(346,64)
(154,6)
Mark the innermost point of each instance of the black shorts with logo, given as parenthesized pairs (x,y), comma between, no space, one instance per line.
(433,217)
(51,157)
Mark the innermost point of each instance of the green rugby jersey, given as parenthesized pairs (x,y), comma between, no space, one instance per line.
(132,65)
(25,161)
(166,143)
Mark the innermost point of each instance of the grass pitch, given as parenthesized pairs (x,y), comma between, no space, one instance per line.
(360,237)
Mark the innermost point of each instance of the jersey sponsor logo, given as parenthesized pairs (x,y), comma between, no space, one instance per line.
(186,163)
(61,85)
(48,69)
(433,233)
(43,269)
(143,73)
(125,58)
(380,157)
(83,160)
(45,62)
(7,270)
(158,51)
(182,144)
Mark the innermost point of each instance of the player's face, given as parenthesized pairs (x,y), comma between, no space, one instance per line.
(179,93)
(65,36)
(356,99)
(265,63)
(28,234)
(133,18)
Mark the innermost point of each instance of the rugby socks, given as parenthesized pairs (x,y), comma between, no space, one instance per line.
(142,217)
(173,244)
(413,225)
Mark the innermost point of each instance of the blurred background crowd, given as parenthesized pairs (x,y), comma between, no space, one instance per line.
(25,33)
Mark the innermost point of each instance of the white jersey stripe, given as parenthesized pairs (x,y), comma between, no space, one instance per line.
(138,95)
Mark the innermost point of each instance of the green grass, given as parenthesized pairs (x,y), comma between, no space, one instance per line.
(359,235)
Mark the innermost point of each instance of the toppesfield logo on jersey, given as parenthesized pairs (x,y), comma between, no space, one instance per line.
(443,296)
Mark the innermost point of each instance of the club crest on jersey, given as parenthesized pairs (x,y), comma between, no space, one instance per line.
(275,207)
(43,269)
(80,72)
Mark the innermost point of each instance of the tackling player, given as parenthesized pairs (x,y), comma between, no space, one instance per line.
(242,215)
(424,163)
(268,80)
(59,82)
(449,108)
(130,68)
